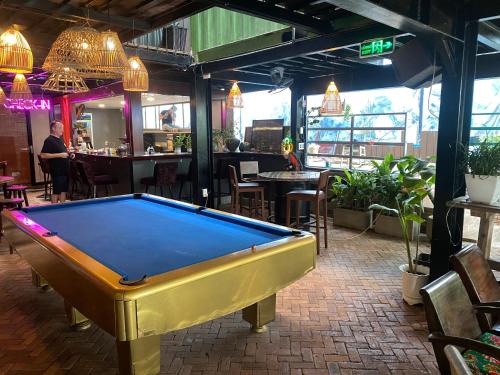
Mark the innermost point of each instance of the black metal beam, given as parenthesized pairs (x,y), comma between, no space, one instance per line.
(274,13)
(235,75)
(453,132)
(489,35)
(301,47)
(159,57)
(388,17)
(76,13)
(201,131)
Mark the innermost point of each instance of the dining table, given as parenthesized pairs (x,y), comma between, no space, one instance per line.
(284,182)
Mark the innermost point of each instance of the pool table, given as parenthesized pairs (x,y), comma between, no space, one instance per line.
(139,266)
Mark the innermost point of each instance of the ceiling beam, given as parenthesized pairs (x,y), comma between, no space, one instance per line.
(49,8)
(159,57)
(302,47)
(489,35)
(245,77)
(388,17)
(275,14)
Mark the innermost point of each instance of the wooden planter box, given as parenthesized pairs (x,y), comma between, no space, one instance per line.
(389,225)
(353,219)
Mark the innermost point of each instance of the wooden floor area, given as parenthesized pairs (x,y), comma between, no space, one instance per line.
(346,317)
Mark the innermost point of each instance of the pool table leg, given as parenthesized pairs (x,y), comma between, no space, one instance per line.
(261,313)
(140,356)
(38,281)
(76,319)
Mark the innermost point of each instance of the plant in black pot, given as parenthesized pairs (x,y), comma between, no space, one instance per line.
(351,196)
(232,141)
(482,171)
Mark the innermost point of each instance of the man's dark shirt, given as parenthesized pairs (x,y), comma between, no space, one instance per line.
(54,145)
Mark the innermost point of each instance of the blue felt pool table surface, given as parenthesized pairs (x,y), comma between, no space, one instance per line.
(137,236)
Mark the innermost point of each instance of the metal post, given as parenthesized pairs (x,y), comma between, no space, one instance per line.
(454,130)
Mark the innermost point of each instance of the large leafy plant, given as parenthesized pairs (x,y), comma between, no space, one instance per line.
(482,159)
(354,191)
(415,179)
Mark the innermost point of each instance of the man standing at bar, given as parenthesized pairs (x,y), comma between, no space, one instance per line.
(55,151)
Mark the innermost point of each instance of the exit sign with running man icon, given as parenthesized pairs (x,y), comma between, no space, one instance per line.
(376,47)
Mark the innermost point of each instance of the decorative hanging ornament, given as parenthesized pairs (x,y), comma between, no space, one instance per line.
(332,104)
(110,54)
(15,53)
(66,82)
(3,97)
(20,88)
(135,77)
(75,48)
(235,99)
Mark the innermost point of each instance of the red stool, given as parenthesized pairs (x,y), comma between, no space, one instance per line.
(18,191)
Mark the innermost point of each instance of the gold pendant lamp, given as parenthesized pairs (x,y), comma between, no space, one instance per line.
(332,104)
(20,88)
(110,54)
(3,97)
(65,82)
(15,53)
(135,77)
(235,99)
(75,48)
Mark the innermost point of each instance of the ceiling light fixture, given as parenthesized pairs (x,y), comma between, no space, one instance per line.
(110,54)
(15,53)
(332,104)
(135,77)
(66,82)
(20,88)
(235,99)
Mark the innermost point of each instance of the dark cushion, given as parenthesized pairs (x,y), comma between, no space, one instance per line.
(104,179)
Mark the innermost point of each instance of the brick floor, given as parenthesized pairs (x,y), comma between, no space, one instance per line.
(346,317)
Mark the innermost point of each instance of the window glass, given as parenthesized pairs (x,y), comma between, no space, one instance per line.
(150,118)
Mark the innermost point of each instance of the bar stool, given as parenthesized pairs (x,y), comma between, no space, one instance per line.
(9,203)
(18,191)
(93,181)
(47,183)
(316,197)
(238,188)
(3,169)
(186,177)
(164,174)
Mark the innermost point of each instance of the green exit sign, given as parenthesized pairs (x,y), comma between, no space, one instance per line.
(376,47)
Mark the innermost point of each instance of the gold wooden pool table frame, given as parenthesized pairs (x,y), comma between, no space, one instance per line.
(137,315)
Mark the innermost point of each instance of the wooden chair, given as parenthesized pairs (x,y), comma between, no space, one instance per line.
(9,203)
(222,173)
(47,183)
(164,174)
(316,198)
(184,178)
(93,181)
(452,319)
(238,188)
(479,281)
(3,172)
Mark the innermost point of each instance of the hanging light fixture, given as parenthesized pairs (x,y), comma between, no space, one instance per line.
(135,77)
(20,88)
(110,54)
(15,53)
(66,82)
(3,97)
(75,48)
(332,105)
(234,99)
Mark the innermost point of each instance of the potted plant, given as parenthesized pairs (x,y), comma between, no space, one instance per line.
(188,142)
(416,179)
(231,139)
(482,168)
(178,143)
(351,197)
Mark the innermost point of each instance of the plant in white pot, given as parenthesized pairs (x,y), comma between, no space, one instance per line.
(188,142)
(178,143)
(416,178)
(351,196)
(482,168)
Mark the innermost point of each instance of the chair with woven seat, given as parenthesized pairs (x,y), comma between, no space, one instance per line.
(315,197)
(93,181)
(479,280)
(239,188)
(9,203)
(452,320)
(164,174)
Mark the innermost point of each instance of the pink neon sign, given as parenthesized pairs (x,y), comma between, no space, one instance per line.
(28,104)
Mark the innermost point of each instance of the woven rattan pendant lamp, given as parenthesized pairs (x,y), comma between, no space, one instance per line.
(3,97)
(67,82)
(332,104)
(75,48)
(20,88)
(110,54)
(15,53)
(235,99)
(135,77)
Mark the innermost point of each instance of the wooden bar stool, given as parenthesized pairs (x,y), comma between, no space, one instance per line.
(18,191)
(164,174)
(93,180)
(238,188)
(9,203)
(47,182)
(316,197)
